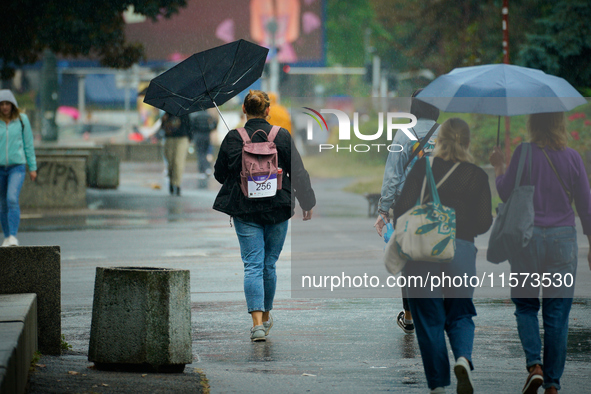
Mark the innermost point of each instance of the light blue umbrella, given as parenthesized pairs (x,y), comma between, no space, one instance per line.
(501,89)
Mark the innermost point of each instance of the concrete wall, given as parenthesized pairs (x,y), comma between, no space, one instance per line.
(136,152)
(61,182)
(36,269)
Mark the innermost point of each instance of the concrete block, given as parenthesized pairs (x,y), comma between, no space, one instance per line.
(7,386)
(141,317)
(12,355)
(21,308)
(8,381)
(102,171)
(61,182)
(117,150)
(145,152)
(18,340)
(36,269)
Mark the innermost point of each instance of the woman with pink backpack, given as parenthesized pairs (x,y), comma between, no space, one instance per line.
(261,201)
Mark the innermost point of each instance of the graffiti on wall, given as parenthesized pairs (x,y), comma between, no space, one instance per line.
(55,174)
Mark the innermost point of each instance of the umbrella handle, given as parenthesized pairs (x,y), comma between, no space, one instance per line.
(498,130)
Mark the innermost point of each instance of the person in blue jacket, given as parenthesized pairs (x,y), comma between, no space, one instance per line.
(16,151)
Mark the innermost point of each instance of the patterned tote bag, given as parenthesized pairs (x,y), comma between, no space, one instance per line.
(427,232)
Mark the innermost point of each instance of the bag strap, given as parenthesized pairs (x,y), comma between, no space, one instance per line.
(243,134)
(421,145)
(415,133)
(447,174)
(22,124)
(273,133)
(526,148)
(568,193)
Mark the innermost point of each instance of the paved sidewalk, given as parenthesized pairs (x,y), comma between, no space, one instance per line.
(345,345)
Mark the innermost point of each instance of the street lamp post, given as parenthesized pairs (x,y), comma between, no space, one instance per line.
(274,64)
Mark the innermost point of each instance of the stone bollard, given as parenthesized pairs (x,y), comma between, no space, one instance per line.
(141,319)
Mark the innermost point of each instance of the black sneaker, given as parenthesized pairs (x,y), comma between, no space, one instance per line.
(407,328)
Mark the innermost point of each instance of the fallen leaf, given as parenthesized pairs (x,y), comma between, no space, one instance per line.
(144,375)
(105,385)
(307,374)
(73,373)
(41,365)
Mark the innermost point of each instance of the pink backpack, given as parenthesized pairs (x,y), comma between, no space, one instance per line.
(260,176)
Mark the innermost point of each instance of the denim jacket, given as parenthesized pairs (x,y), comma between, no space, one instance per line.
(394,173)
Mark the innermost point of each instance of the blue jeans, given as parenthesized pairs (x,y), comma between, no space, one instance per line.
(11,183)
(551,250)
(260,246)
(443,310)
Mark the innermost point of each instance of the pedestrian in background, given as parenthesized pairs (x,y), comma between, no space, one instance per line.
(202,124)
(278,114)
(261,224)
(398,165)
(177,132)
(16,150)
(559,177)
(448,309)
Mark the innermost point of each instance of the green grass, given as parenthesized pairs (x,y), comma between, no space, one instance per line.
(340,165)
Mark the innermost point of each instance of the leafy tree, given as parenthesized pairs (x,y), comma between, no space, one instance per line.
(72,28)
(347,27)
(562,43)
(444,34)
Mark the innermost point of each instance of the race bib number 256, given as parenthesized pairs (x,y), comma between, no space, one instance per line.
(260,186)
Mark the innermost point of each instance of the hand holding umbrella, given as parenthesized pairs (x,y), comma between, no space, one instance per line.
(497,160)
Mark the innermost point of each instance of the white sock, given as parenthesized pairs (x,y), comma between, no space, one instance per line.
(407,321)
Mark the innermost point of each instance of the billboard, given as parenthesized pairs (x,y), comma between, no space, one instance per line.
(298,26)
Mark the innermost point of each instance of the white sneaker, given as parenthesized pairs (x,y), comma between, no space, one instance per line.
(12,241)
(438,390)
(268,324)
(6,242)
(462,371)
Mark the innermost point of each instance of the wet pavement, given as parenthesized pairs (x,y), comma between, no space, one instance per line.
(330,343)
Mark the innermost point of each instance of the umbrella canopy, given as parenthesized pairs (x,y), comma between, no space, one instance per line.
(208,78)
(501,89)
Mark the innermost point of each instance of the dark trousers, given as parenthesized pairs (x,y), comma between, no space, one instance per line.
(202,148)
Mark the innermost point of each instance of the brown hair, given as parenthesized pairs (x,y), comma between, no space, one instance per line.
(256,103)
(453,140)
(15,113)
(548,129)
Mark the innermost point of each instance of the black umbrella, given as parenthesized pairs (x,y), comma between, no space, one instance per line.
(207,79)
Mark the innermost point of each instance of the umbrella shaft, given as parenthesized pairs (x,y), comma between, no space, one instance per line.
(221,116)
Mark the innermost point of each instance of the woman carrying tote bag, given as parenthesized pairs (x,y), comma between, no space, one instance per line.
(448,309)
(559,176)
